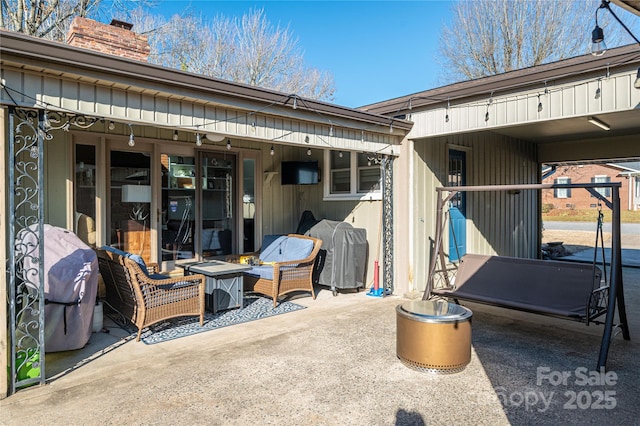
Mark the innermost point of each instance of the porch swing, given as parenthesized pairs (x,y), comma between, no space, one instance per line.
(554,288)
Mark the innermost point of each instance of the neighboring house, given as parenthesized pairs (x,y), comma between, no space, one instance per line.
(180,166)
(565,199)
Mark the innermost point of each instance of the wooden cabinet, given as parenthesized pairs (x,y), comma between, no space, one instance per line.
(136,239)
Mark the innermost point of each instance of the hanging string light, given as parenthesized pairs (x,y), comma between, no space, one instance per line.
(132,141)
(198,139)
(175,135)
(272,151)
(446,117)
(228,143)
(539,104)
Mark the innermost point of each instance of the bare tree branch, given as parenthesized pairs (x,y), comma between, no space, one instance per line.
(248,50)
(489,37)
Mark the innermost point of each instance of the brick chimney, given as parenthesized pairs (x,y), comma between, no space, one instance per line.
(113,39)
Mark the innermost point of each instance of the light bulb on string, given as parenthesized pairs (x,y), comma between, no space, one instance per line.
(175,135)
(446,117)
(228,143)
(132,141)
(272,151)
(309,151)
(539,104)
(198,139)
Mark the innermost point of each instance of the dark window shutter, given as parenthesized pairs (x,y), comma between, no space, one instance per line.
(555,190)
(569,189)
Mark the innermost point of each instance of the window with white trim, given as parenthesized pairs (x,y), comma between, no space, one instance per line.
(352,175)
(562,192)
(605,192)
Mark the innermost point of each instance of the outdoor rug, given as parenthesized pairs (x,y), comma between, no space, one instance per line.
(254,308)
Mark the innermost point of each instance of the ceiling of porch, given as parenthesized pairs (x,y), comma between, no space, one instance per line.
(622,123)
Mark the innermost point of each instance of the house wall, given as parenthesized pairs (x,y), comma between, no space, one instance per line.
(169,107)
(580,198)
(497,222)
(153,112)
(282,205)
(567,98)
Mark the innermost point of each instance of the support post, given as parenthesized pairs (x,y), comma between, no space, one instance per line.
(616,291)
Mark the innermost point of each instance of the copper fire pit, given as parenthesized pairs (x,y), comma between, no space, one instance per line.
(433,336)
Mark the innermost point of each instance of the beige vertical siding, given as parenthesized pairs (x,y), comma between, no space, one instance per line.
(565,98)
(140,107)
(497,222)
(153,113)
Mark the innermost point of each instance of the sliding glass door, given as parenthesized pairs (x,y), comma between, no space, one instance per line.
(218,224)
(178,206)
(198,214)
(129,224)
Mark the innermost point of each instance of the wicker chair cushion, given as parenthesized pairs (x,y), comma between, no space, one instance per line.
(285,248)
(264,271)
(136,258)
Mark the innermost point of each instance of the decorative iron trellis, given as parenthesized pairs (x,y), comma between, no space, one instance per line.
(387,222)
(25,266)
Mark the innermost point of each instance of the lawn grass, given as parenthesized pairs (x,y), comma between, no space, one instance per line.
(589,215)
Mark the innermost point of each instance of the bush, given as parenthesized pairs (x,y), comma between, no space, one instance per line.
(546,208)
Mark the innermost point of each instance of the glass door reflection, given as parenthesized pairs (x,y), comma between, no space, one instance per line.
(218,204)
(130,199)
(178,207)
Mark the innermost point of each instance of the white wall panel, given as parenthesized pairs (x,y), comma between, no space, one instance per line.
(571,98)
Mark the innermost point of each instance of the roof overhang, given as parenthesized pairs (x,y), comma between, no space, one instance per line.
(512,81)
(44,56)
(516,95)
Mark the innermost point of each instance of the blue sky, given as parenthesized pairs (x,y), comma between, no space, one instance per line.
(375,50)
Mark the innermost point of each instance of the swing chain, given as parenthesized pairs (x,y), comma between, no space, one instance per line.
(600,216)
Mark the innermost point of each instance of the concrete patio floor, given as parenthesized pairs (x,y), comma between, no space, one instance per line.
(335,363)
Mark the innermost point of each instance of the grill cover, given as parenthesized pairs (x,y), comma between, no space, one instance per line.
(70,287)
(343,256)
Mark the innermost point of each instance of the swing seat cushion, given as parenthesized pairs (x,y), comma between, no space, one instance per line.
(541,286)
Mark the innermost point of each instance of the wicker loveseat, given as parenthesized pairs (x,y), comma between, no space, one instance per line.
(141,296)
(286,265)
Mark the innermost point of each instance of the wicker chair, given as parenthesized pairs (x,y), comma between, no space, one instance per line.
(144,300)
(277,278)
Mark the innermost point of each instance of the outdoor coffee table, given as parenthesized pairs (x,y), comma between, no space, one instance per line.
(223,283)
